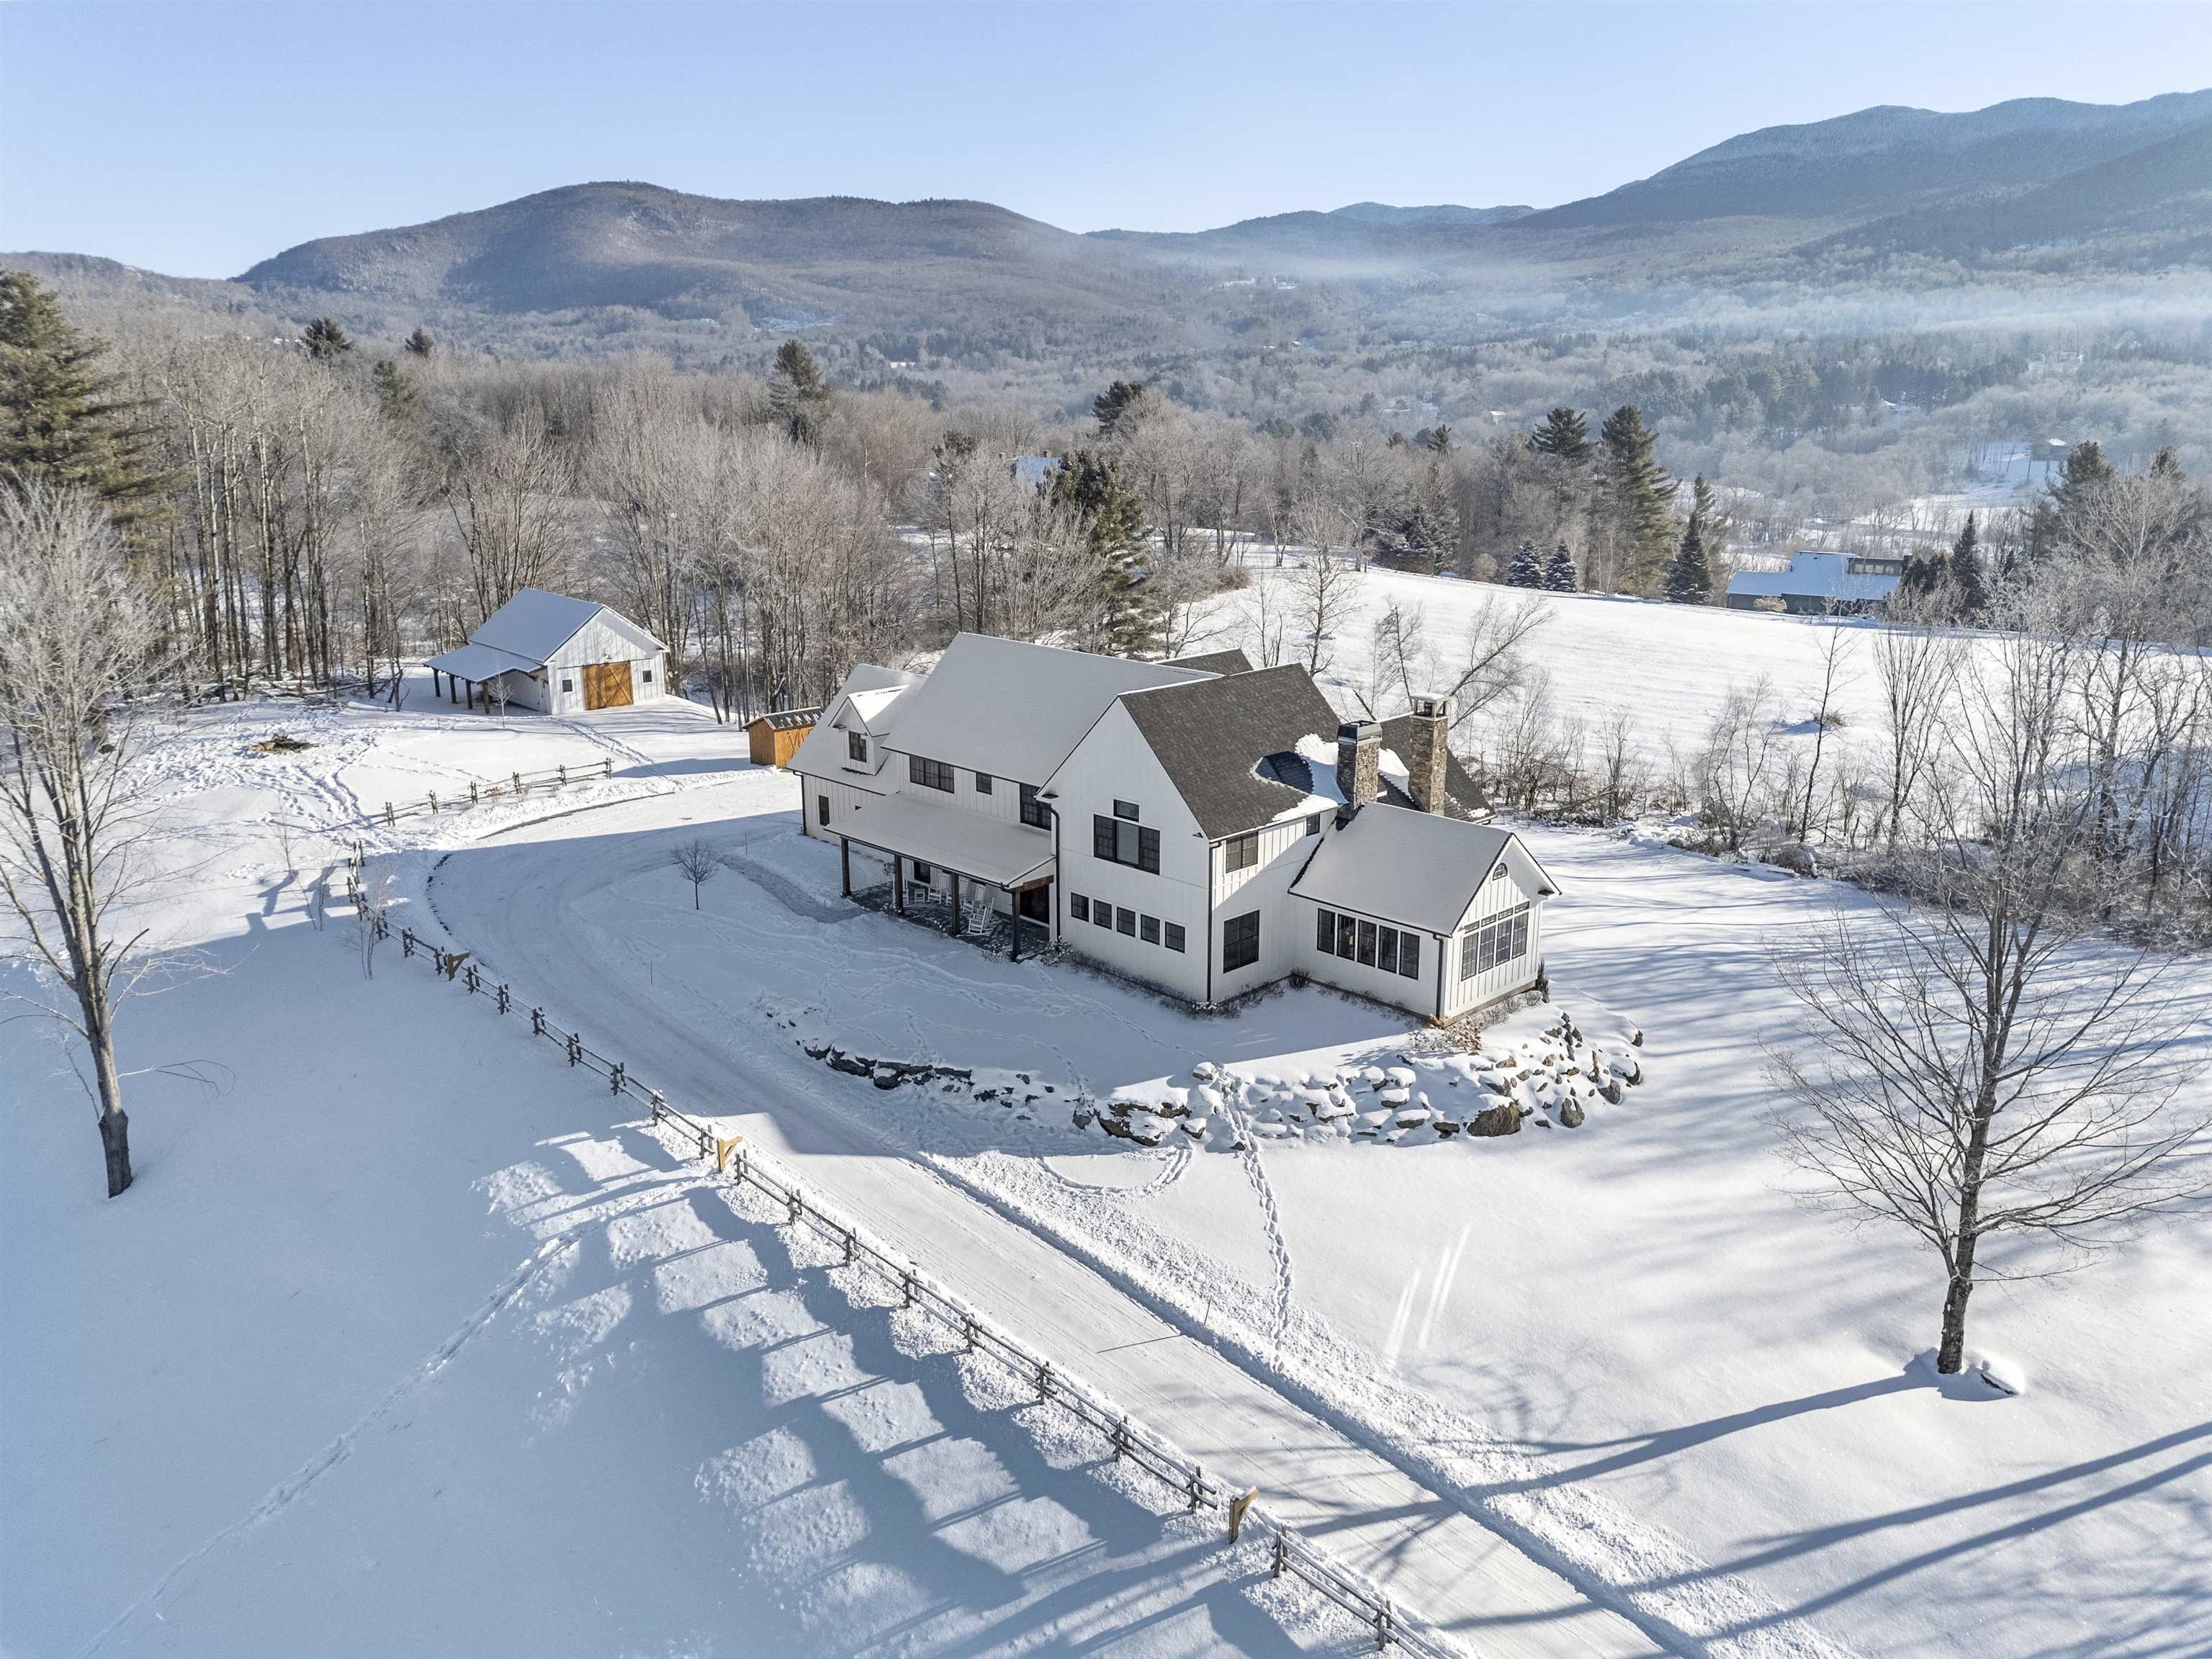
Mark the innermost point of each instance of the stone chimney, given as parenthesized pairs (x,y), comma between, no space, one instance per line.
(1358,764)
(1426,752)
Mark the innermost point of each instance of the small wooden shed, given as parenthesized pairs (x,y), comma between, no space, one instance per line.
(776,735)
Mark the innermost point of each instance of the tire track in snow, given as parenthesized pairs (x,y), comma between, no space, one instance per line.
(286,1491)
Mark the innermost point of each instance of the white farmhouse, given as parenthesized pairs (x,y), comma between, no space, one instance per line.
(1201,826)
(557,655)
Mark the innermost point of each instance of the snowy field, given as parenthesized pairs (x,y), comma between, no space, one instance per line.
(428,1314)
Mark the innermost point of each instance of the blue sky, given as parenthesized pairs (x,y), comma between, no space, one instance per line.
(195,139)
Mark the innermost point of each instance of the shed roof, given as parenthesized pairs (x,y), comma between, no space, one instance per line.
(1013,709)
(1417,869)
(990,849)
(785,720)
(1212,736)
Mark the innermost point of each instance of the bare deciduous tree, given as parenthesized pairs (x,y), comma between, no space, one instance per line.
(698,861)
(76,633)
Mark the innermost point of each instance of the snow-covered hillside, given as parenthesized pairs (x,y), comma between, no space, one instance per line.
(408,1337)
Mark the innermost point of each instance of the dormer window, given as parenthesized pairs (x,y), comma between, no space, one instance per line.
(856,746)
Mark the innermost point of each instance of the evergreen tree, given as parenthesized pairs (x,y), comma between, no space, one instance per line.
(2085,474)
(1689,578)
(1091,486)
(60,415)
(2167,464)
(1559,572)
(1526,567)
(395,393)
(1922,578)
(797,395)
(1122,405)
(1432,527)
(326,340)
(1637,491)
(1965,573)
(420,345)
(1439,441)
(1563,432)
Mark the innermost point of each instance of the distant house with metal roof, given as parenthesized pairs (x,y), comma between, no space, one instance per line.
(554,654)
(1820,585)
(1204,831)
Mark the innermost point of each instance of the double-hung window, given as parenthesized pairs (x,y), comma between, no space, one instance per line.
(1373,944)
(929,773)
(1241,852)
(1033,810)
(856,746)
(1496,940)
(1079,907)
(1240,941)
(1122,840)
(983,783)
(1126,921)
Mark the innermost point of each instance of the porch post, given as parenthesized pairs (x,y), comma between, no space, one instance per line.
(898,881)
(845,862)
(436,687)
(1014,932)
(954,928)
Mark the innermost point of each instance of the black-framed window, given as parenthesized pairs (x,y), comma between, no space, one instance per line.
(568,685)
(929,773)
(1374,944)
(1241,852)
(1125,921)
(1240,941)
(1148,929)
(648,677)
(1079,907)
(1312,823)
(1033,810)
(821,810)
(1496,940)
(983,783)
(1118,841)
(1126,809)
(1174,932)
(856,746)
(1102,914)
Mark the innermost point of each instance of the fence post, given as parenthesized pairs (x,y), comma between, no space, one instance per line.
(472,979)
(607,768)
(1119,1438)
(906,1286)
(1282,1554)
(849,1247)
(658,1107)
(614,1077)
(475,799)
(1383,1629)
(1044,1381)
(520,788)
(576,1050)
(968,1330)
(406,942)
(504,1002)
(538,1022)
(791,1199)
(1197,1486)
(434,803)
(562,769)
(390,816)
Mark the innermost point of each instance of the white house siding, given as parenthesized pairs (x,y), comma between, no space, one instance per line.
(1518,886)
(1416,995)
(1114,763)
(1004,803)
(525,690)
(1265,887)
(845,803)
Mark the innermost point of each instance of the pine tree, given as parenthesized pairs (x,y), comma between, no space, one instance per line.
(1689,578)
(1965,573)
(1432,527)
(1563,432)
(1921,579)
(326,340)
(1091,486)
(395,393)
(1122,405)
(1559,572)
(1637,491)
(796,393)
(1525,569)
(1439,441)
(420,345)
(60,415)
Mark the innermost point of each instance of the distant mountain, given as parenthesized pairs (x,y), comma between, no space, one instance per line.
(828,259)
(1883,160)
(1380,213)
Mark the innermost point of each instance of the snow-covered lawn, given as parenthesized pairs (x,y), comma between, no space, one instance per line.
(1624,1345)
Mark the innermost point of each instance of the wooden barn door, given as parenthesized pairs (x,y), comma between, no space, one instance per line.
(606,685)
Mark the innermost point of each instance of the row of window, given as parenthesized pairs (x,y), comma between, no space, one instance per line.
(937,774)
(1393,950)
(1150,929)
(929,773)
(1504,938)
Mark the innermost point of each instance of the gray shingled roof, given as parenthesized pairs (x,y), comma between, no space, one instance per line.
(1231,661)
(1463,797)
(1209,734)
(787,719)
(1417,869)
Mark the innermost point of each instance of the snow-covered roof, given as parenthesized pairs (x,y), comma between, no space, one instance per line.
(1015,710)
(1036,470)
(996,850)
(535,624)
(868,711)
(1417,869)
(869,691)
(1813,576)
(480,663)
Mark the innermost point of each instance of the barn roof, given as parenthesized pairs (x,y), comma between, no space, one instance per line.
(479,663)
(535,624)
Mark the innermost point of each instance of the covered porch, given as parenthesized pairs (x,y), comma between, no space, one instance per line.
(469,674)
(951,869)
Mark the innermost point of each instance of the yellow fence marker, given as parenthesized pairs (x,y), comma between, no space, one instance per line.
(1237,1506)
(722,1150)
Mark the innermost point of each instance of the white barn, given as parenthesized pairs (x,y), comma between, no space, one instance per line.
(1207,830)
(557,655)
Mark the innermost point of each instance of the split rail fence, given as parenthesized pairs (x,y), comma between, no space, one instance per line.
(1289,1552)
(515,787)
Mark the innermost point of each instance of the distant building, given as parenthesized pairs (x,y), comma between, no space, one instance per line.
(554,654)
(1820,585)
(1037,470)
(774,737)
